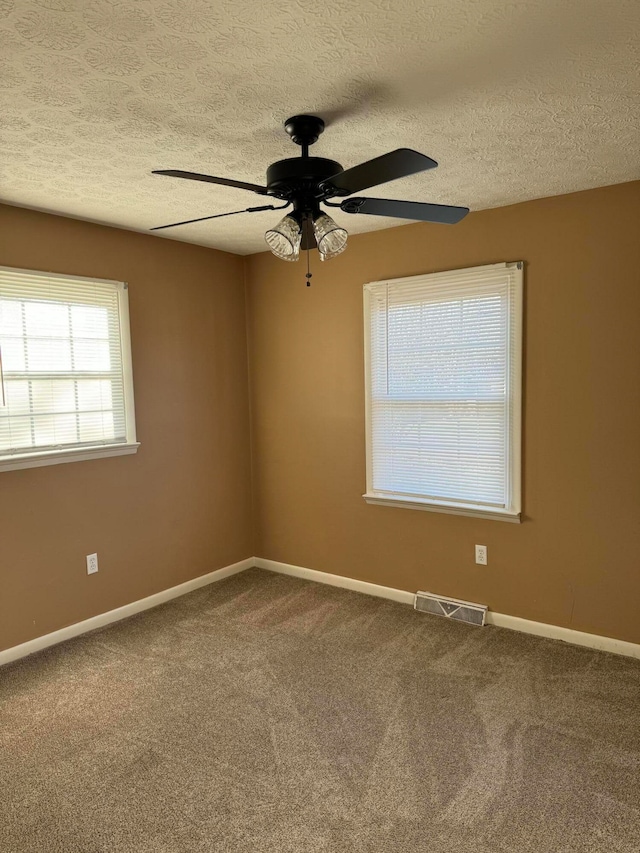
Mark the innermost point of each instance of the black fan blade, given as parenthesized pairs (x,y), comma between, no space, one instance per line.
(209,179)
(308,237)
(380,170)
(421,211)
(218,215)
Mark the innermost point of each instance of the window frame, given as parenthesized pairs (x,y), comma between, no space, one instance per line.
(511,512)
(75,453)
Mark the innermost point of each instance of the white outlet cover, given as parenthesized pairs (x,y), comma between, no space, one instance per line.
(481,555)
(92,564)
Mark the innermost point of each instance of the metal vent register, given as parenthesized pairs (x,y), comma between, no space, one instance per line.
(451,608)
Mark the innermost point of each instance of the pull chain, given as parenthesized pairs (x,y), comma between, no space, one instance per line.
(309,274)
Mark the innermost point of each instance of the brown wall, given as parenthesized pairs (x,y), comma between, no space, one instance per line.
(179,508)
(182,506)
(575,560)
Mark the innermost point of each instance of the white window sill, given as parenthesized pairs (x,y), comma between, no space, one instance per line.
(493,513)
(56,457)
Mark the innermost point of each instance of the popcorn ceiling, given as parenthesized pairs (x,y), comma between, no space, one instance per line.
(514,100)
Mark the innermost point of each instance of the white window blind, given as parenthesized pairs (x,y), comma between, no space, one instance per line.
(443,366)
(66,368)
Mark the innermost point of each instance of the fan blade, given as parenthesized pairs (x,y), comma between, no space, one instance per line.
(218,215)
(209,179)
(308,237)
(388,167)
(420,211)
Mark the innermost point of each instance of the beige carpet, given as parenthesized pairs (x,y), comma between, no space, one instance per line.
(271,715)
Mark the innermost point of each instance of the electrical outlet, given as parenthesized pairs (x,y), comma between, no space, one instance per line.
(92,564)
(481,555)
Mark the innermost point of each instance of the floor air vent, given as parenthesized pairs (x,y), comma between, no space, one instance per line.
(451,608)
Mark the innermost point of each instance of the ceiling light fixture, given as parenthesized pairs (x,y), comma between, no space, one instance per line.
(330,237)
(286,238)
(304,183)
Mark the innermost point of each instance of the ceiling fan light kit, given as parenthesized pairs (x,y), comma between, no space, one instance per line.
(285,239)
(307,182)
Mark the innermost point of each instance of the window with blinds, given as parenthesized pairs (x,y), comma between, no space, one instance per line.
(443,391)
(66,384)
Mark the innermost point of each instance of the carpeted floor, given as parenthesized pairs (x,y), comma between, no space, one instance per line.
(272,715)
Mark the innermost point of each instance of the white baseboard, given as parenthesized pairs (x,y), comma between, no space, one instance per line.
(500,620)
(400,595)
(119,613)
(567,635)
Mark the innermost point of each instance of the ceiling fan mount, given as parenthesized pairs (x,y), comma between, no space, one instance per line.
(307,182)
(304,129)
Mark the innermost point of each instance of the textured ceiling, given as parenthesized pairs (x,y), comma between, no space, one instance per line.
(515,101)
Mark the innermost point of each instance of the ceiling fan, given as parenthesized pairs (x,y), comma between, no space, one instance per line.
(307,182)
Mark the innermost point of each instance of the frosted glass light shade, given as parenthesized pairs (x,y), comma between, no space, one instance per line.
(330,237)
(284,240)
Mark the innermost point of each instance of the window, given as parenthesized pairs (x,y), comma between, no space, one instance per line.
(443,391)
(66,389)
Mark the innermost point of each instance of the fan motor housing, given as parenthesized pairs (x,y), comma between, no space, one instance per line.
(288,178)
